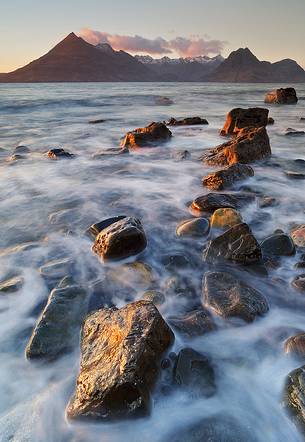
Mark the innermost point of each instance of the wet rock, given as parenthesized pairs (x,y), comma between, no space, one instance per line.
(225,218)
(97,121)
(195,323)
(295,345)
(96,228)
(180,286)
(298,235)
(54,271)
(282,96)
(267,201)
(16,157)
(270,121)
(120,355)
(111,152)
(299,282)
(11,285)
(181,155)
(174,261)
(196,227)
(294,133)
(237,245)
(238,119)
(216,428)
(154,296)
(57,329)
(294,175)
(145,136)
(136,275)
(229,297)
(249,146)
(194,372)
(299,265)
(163,101)
(190,121)
(278,245)
(213,201)
(21,150)
(121,239)
(55,154)
(19,248)
(294,397)
(225,178)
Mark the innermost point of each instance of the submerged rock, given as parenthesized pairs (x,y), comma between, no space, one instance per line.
(196,227)
(294,397)
(181,155)
(163,101)
(121,239)
(145,136)
(225,178)
(229,297)
(225,218)
(190,121)
(213,201)
(154,296)
(271,121)
(282,96)
(249,146)
(194,372)
(299,282)
(98,121)
(11,285)
(298,235)
(112,151)
(57,329)
(295,345)
(54,271)
(294,175)
(238,119)
(193,324)
(55,154)
(135,275)
(279,244)
(121,352)
(294,133)
(237,245)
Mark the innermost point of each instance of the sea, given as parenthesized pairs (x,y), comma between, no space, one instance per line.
(46,207)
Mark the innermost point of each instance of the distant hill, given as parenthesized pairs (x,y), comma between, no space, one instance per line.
(75,60)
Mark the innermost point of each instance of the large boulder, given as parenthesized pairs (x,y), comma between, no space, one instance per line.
(189,121)
(229,297)
(121,352)
(57,329)
(145,136)
(225,178)
(282,96)
(294,397)
(238,119)
(237,245)
(121,239)
(213,201)
(250,145)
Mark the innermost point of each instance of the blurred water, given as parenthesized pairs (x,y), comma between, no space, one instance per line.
(51,203)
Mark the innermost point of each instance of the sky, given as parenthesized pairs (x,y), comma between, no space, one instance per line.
(272,29)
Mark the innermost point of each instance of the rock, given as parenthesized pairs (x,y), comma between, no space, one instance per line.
(174,261)
(294,133)
(21,150)
(213,201)
(196,227)
(225,178)
(163,101)
(55,154)
(229,297)
(298,235)
(121,239)
(294,175)
(267,201)
(238,119)
(249,146)
(237,245)
(110,152)
(225,218)
(135,275)
(299,282)
(145,136)
(54,271)
(278,245)
(11,285)
(121,352)
(154,296)
(282,96)
(96,228)
(299,265)
(294,397)
(190,121)
(180,286)
(270,121)
(57,329)
(295,345)
(193,324)
(97,121)
(216,428)
(181,155)
(194,372)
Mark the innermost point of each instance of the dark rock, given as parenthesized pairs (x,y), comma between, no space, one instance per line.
(181,155)
(213,201)
(175,261)
(112,151)
(145,136)
(190,121)
(54,271)
(193,324)
(96,121)
(299,282)
(180,286)
(295,345)
(96,228)
(121,239)
(121,351)
(282,96)
(197,227)
(295,133)
(21,150)
(249,146)
(294,397)
(278,245)
(154,296)
(55,154)
(238,119)
(267,201)
(163,101)
(271,121)
(225,178)
(237,245)
(229,297)
(295,175)
(299,265)
(57,329)
(194,372)
(11,285)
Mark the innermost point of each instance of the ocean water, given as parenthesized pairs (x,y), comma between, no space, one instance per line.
(46,207)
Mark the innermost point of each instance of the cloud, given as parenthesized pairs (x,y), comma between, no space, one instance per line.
(184,47)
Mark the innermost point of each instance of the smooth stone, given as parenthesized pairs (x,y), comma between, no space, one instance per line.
(299,282)
(195,323)
(196,227)
(55,154)
(96,228)
(157,298)
(21,149)
(189,121)
(225,218)
(213,201)
(278,245)
(11,285)
(96,121)
(56,269)
(295,346)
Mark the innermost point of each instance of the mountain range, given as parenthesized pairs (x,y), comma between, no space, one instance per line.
(75,60)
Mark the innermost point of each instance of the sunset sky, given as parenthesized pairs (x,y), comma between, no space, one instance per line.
(272,29)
